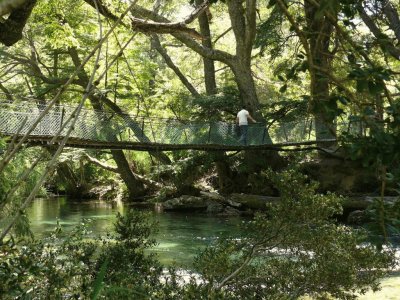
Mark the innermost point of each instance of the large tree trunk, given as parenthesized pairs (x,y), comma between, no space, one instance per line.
(225,182)
(133,124)
(209,68)
(245,83)
(243,21)
(135,187)
(74,186)
(319,31)
(224,171)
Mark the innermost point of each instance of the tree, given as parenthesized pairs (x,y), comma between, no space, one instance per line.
(45,80)
(12,27)
(374,14)
(243,20)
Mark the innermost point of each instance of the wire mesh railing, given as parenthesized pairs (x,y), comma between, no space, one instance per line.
(100,126)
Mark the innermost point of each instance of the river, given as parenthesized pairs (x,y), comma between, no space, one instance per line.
(180,235)
(179,238)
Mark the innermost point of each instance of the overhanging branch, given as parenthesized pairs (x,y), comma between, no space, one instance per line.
(151,26)
(214,54)
(99,163)
(146,26)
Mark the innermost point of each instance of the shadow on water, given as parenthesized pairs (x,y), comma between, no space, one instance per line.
(179,236)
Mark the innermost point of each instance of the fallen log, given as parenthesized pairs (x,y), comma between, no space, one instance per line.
(259,202)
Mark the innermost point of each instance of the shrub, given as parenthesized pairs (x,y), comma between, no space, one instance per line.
(294,249)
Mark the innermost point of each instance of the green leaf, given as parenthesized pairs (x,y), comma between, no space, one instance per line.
(283,88)
(369,111)
(98,283)
(327,6)
(375,87)
(351,58)
(271,3)
(362,85)
(355,73)
(304,66)
(343,100)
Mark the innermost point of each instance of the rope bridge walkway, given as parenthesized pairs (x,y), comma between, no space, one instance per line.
(105,130)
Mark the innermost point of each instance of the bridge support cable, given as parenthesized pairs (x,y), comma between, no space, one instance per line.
(129,120)
(98,98)
(136,128)
(74,117)
(6,159)
(107,129)
(48,169)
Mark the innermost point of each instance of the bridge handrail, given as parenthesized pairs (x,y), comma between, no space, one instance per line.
(161,120)
(102,126)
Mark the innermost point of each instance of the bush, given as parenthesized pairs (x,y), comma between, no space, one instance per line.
(294,249)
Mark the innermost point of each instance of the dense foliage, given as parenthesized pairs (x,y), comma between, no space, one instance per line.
(286,60)
(295,249)
(335,62)
(76,266)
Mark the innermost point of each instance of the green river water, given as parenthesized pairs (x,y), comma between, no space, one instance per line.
(179,238)
(180,235)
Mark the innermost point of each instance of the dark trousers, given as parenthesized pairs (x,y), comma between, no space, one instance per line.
(243,134)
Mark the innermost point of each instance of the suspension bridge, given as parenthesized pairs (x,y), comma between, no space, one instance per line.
(108,130)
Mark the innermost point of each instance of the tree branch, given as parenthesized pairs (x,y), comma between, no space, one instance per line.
(383,40)
(102,9)
(36,71)
(297,29)
(147,26)
(251,17)
(6,92)
(347,38)
(107,167)
(157,45)
(222,35)
(393,18)
(238,22)
(214,54)
(99,163)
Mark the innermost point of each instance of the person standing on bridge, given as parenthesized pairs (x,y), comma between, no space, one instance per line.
(242,120)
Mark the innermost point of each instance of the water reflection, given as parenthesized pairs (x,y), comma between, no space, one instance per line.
(179,237)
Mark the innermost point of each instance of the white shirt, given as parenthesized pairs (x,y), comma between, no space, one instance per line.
(242,115)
